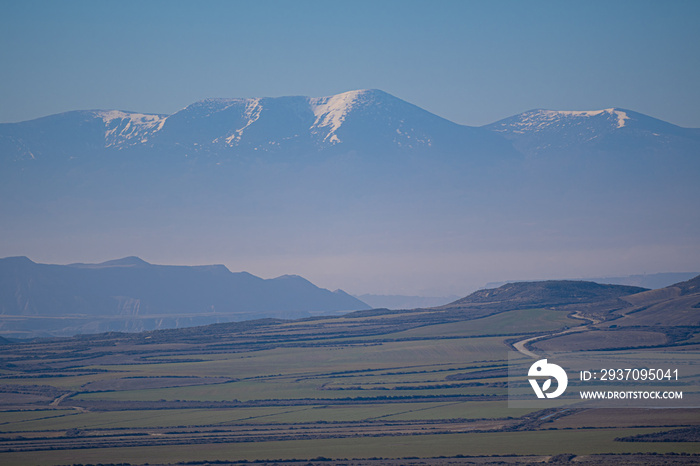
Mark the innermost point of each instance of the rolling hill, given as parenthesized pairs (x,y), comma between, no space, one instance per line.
(544,293)
(662,317)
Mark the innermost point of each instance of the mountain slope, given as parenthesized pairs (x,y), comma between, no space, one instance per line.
(129,292)
(650,281)
(667,316)
(675,305)
(528,295)
(546,293)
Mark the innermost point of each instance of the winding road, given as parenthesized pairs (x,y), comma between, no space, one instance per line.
(520,345)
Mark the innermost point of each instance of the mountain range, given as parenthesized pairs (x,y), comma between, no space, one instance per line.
(362,182)
(364,120)
(361,121)
(130,294)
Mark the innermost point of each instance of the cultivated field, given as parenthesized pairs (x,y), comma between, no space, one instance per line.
(373,384)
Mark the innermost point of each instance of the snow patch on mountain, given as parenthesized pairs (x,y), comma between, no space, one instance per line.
(406,137)
(538,120)
(330,112)
(619,115)
(251,114)
(124,128)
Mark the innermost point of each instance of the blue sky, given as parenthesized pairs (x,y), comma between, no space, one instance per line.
(472,62)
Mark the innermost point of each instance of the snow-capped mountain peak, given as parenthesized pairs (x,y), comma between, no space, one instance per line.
(615,113)
(136,118)
(558,131)
(540,120)
(313,123)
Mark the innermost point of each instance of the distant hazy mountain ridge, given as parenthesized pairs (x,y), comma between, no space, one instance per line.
(130,294)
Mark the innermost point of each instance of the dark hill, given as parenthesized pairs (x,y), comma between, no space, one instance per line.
(563,295)
(130,295)
(544,293)
(690,286)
